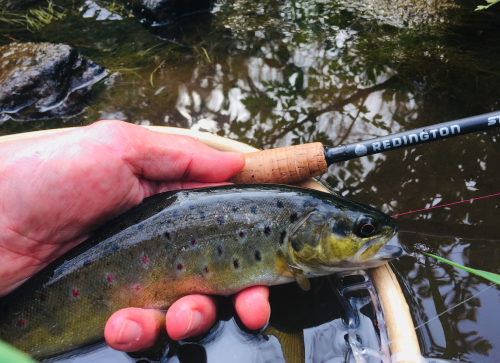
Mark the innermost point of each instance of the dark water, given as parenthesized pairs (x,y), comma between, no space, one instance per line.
(275,73)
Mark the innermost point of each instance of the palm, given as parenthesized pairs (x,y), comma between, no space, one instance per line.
(55,191)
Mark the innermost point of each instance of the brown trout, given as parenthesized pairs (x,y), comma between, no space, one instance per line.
(211,241)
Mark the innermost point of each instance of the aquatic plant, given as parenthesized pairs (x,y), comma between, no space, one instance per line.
(13,355)
(485,274)
(490,2)
(33,19)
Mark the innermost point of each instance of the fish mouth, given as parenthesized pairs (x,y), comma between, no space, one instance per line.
(385,254)
(388,252)
(389,233)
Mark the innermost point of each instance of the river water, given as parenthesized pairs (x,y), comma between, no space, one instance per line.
(276,73)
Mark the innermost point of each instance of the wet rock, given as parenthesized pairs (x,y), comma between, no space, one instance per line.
(178,21)
(168,11)
(43,81)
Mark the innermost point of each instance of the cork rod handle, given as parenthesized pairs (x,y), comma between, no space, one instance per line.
(284,165)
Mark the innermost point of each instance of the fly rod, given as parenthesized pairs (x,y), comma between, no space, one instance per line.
(293,164)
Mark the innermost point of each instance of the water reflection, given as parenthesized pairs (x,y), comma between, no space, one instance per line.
(276,73)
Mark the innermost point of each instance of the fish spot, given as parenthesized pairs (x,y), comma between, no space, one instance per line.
(140,226)
(235,209)
(144,259)
(242,234)
(282,237)
(115,248)
(180,266)
(342,227)
(305,204)
(236,263)
(86,262)
(258,256)
(20,323)
(220,250)
(280,204)
(220,220)
(293,217)
(192,241)
(167,234)
(202,216)
(43,297)
(175,214)
(75,292)
(253,209)
(138,287)
(267,230)
(110,279)
(206,269)
(191,207)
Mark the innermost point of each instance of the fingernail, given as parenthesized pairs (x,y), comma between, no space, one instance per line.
(130,332)
(195,322)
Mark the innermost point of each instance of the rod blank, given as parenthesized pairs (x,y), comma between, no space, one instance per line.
(413,137)
(293,164)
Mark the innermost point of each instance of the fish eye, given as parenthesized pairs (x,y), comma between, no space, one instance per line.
(366,226)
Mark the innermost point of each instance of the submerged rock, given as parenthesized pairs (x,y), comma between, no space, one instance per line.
(168,11)
(178,21)
(43,81)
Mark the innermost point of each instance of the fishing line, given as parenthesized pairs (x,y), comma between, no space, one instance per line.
(450,309)
(473,296)
(445,205)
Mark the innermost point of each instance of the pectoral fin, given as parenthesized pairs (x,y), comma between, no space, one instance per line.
(282,265)
(300,278)
(291,271)
(292,344)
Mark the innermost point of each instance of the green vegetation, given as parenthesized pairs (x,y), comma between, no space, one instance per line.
(32,19)
(490,2)
(9,354)
(114,7)
(487,275)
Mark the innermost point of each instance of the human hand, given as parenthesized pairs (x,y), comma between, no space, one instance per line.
(55,191)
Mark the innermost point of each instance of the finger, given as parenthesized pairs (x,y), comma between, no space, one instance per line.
(252,306)
(167,157)
(133,329)
(190,316)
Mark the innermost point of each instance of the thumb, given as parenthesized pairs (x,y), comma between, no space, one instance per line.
(167,157)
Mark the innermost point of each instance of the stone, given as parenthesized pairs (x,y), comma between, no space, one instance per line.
(169,11)
(42,81)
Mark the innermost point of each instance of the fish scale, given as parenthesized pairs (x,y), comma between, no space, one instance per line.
(212,241)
